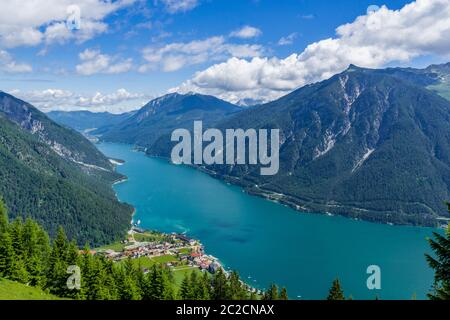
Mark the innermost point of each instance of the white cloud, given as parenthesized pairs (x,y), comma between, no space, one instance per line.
(373,40)
(9,65)
(288,40)
(64,100)
(175,6)
(44,20)
(94,62)
(246,32)
(174,56)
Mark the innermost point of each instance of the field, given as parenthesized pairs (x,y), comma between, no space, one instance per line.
(10,290)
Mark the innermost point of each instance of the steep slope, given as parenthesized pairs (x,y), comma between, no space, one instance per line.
(10,290)
(363,144)
(84,120)
(66,142)
(44,175)
(155,122)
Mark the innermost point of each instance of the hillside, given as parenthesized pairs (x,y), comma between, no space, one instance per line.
(56,176)
(84,120)
(153,124)
(363,144)
(10,290)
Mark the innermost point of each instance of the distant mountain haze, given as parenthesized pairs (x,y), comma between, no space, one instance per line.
(85,120)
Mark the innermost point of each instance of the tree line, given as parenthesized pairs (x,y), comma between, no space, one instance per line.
(27,255)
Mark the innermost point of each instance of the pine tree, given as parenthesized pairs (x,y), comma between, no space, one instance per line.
(57,268)
(336,292)
(441,265)
(220,286)
(272,293)
(7,255)
(237,290)
(19,271)
(35,252)
(3,217)
(186,288)
(16,230)
(156,283)
(284,295)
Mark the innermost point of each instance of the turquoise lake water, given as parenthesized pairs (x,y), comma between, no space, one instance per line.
(268,242)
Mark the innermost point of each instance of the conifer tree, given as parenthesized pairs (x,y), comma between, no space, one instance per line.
(7,255)
(336,292)
(19,271)
(186,288)
(441,265)
(3,217)
(284,295)
(272,293)
(57,268)
(220,286)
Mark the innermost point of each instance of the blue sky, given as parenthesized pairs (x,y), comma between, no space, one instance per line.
(128,51)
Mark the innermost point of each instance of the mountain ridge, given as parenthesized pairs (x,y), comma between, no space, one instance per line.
(57,185)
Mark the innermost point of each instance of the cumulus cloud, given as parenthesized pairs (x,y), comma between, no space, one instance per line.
(94,62)
(246,32)
(288,40)
(57,99)
(174,56)
(9,65)
(372,40)
(175,6)
(45,20)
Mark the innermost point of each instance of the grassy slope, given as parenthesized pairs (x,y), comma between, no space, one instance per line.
(10,290)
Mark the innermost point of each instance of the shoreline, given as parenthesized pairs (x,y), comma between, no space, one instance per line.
(352,213)
(133,228)
(308,206)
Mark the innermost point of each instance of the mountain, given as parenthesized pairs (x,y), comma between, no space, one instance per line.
(85,120)
(368,144)
(56,176)
(365,144)
(154,123)
(434,77)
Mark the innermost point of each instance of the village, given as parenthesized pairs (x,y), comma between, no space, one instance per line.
(176,251)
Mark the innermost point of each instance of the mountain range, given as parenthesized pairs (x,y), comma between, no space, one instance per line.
(86,120)
(56,176)
(369,144)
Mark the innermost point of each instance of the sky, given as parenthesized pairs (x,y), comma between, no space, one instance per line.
(116,55)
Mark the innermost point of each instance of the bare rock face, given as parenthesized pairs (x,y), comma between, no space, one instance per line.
(65,142)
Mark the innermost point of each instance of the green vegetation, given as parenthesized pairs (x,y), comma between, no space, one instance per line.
(442,89)
(368,159)
(151,236)
(369,144)
(274,294)
(441,265)
(10,290)
(28,257)
(336,292)
(117,246)
(83,120)
(50,187)
(152,125)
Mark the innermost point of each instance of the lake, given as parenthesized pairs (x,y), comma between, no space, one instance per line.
(267,242)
